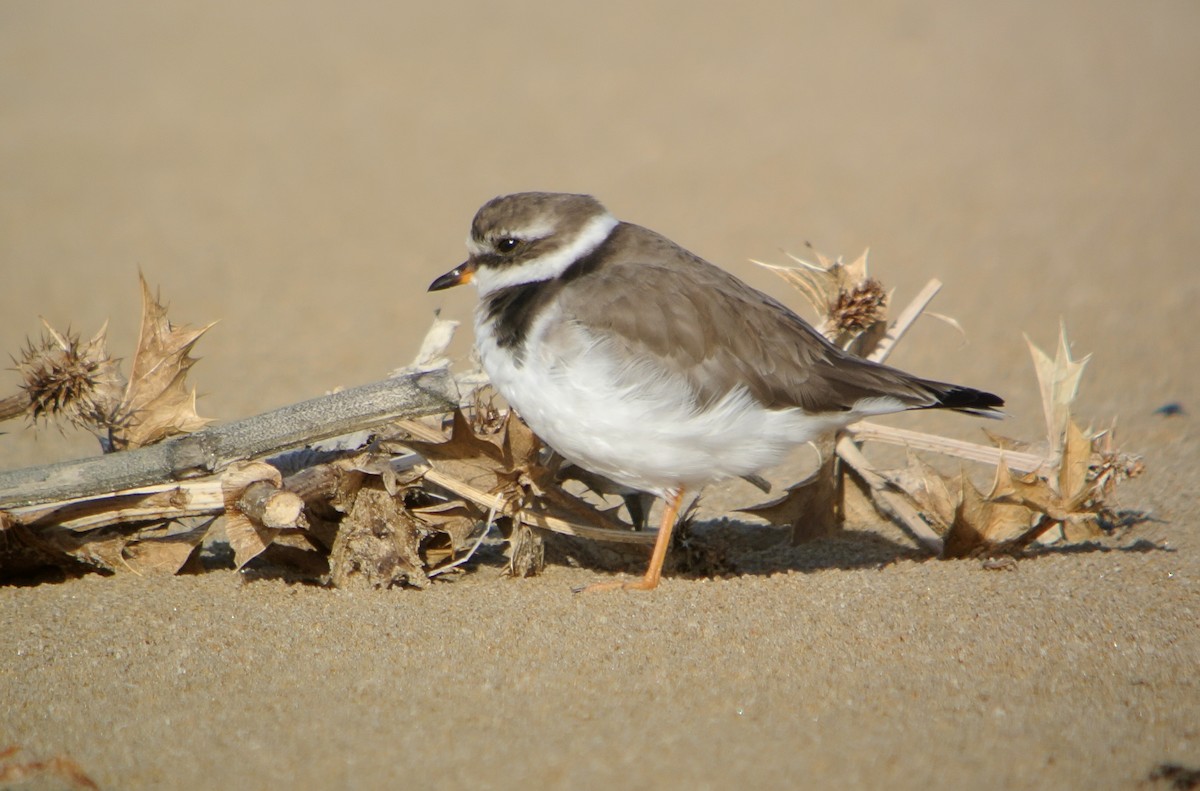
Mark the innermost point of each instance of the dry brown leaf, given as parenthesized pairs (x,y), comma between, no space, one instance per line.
(456,519)
(160,548)
(813,507)
(474,460)
(157,403)
(934,496)
(1070,501)
(164,550)
(981,523)
(520,445)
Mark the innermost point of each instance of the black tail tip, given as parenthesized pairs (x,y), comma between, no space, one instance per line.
(967,399)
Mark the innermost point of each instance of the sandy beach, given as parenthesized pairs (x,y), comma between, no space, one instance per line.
(300,172)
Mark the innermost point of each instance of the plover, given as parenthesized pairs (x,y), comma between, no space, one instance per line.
(640,361)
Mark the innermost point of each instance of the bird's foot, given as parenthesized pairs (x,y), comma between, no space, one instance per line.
(643,584)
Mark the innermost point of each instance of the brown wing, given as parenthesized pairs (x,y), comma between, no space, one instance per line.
(661,302)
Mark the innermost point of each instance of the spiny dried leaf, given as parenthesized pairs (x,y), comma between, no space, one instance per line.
(1069,501)
(930,492)
(456,518)
(520,446)
(160,548)
(157,403)
(1058,380)
(813,507)
(466,456)
(980,523)
(64,378)
(1073,485)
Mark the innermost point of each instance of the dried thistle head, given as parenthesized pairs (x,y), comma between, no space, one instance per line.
(849,301)
(858,308)
(66,379)
(1110,466)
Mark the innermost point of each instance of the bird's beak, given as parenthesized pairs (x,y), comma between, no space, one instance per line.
(455,277)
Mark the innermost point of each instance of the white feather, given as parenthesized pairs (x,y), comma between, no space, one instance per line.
(596,230)
(633,420)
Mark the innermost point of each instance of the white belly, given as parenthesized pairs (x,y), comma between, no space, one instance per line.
(633,421)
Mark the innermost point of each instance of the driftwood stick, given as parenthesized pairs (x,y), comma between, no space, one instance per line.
(262,501)
(211,449)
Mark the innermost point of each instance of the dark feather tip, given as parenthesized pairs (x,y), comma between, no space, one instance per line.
(967,399)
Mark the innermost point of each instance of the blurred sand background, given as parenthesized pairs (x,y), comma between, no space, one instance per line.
(301,171)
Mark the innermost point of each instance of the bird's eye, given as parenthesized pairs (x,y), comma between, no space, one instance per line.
(507,244)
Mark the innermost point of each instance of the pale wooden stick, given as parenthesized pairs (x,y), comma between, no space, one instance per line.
(1015,460)
(905,320)
(261,501)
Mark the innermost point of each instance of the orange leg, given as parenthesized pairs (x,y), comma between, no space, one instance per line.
(661,544)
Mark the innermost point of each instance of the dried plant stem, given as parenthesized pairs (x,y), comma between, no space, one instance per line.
(270,506)
(1015,460)
(887,500)
(899,508)
(200,497)
(13,406)
(905,320)
(211,449)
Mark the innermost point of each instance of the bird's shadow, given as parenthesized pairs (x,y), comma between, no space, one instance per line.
(729,547)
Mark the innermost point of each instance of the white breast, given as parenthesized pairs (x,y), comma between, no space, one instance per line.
(631,419)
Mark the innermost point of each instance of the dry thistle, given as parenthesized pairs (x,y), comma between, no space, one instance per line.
(66,379)
(1110,466)
(848,301)
(860,308)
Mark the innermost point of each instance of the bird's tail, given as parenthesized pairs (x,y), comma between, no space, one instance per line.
(963,399)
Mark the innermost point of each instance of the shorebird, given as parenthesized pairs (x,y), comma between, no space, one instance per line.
(638,360)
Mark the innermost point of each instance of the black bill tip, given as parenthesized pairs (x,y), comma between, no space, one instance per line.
(455,277)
